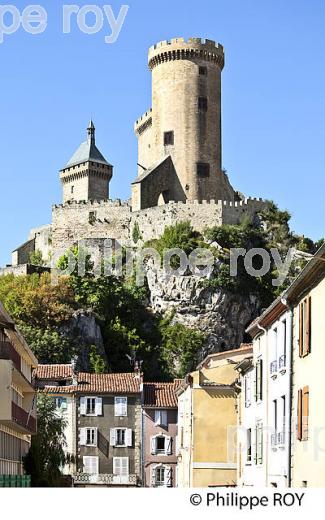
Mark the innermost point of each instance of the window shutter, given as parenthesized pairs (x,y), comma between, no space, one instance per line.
(98,406)
(91,465)
(255,445)
(305,412)
(157,417)
(307,326)
(124,466)
(299,415)
(83,406)
(82,436)
(176,445)
(168,449)
(94,465)
(96,436)
(128,437)
(168,476)
(125,406)
(117,466)
(153,476)
(301,328)
(112,437)
(86,465)
(153,446)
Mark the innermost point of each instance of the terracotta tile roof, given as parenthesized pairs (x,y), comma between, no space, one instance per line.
(125,383)
(161,395)
(54,372)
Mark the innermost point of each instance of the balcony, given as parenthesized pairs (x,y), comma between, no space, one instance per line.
(8,352)
(274,369)
(105,479)
(22,419)
(282,363)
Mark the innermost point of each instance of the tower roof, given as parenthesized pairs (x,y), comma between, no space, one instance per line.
(88,150)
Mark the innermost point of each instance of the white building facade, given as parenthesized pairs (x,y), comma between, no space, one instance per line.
(264,409)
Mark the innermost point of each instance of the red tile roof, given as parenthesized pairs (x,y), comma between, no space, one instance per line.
(54,372)
(160,395)
(125,383)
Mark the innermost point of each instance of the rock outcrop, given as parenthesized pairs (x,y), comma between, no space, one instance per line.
(222,316)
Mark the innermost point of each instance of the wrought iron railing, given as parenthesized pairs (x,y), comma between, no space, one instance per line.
(105,479)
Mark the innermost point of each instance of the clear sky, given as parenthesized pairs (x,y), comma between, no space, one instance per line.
(273,102)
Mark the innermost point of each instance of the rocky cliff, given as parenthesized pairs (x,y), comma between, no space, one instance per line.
(222,316)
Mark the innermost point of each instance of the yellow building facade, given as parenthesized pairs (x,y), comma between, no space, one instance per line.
(207,422)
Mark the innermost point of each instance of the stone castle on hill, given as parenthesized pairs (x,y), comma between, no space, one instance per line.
(180,175)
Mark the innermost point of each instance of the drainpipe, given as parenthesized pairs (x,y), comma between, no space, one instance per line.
(266,400)
(290,308)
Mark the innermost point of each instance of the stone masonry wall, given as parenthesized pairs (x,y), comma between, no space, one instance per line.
(115,220)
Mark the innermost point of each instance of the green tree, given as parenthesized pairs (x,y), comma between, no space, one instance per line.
(46,455)
(36,258)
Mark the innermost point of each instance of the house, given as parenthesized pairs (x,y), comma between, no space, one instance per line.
(103,414)
(264,402)
(57,381)
(305,299)
(159,434)
(207,421)
(17,402)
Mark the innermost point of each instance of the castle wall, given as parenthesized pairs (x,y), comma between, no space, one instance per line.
(75,221)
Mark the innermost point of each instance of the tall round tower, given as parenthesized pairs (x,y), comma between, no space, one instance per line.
(185,120)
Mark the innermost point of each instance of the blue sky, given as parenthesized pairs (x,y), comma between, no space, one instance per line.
(273,102)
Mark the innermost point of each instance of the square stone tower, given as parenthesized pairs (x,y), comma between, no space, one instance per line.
(87,175)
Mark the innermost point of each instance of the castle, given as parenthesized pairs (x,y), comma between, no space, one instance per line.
(180,175)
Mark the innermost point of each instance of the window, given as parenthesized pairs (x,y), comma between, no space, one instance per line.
(91,465)
(160,476)
(249,446)
(283,356)
(121,404)
(92,217)
(121,437)
(203,71)
(203,169)
(302,414)
(168,138)
(90,406)
(259,380)
(121,470)
(203,104)
(72,189)
(281,434)
(304,327)
(60,403)
(161,445)
(161,417)
(88,437)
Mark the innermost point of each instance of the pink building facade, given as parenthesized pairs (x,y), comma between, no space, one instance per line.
(159,430)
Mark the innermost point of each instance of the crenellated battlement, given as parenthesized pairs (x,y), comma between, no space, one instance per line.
(82,204)
(180,49)
(143,122)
